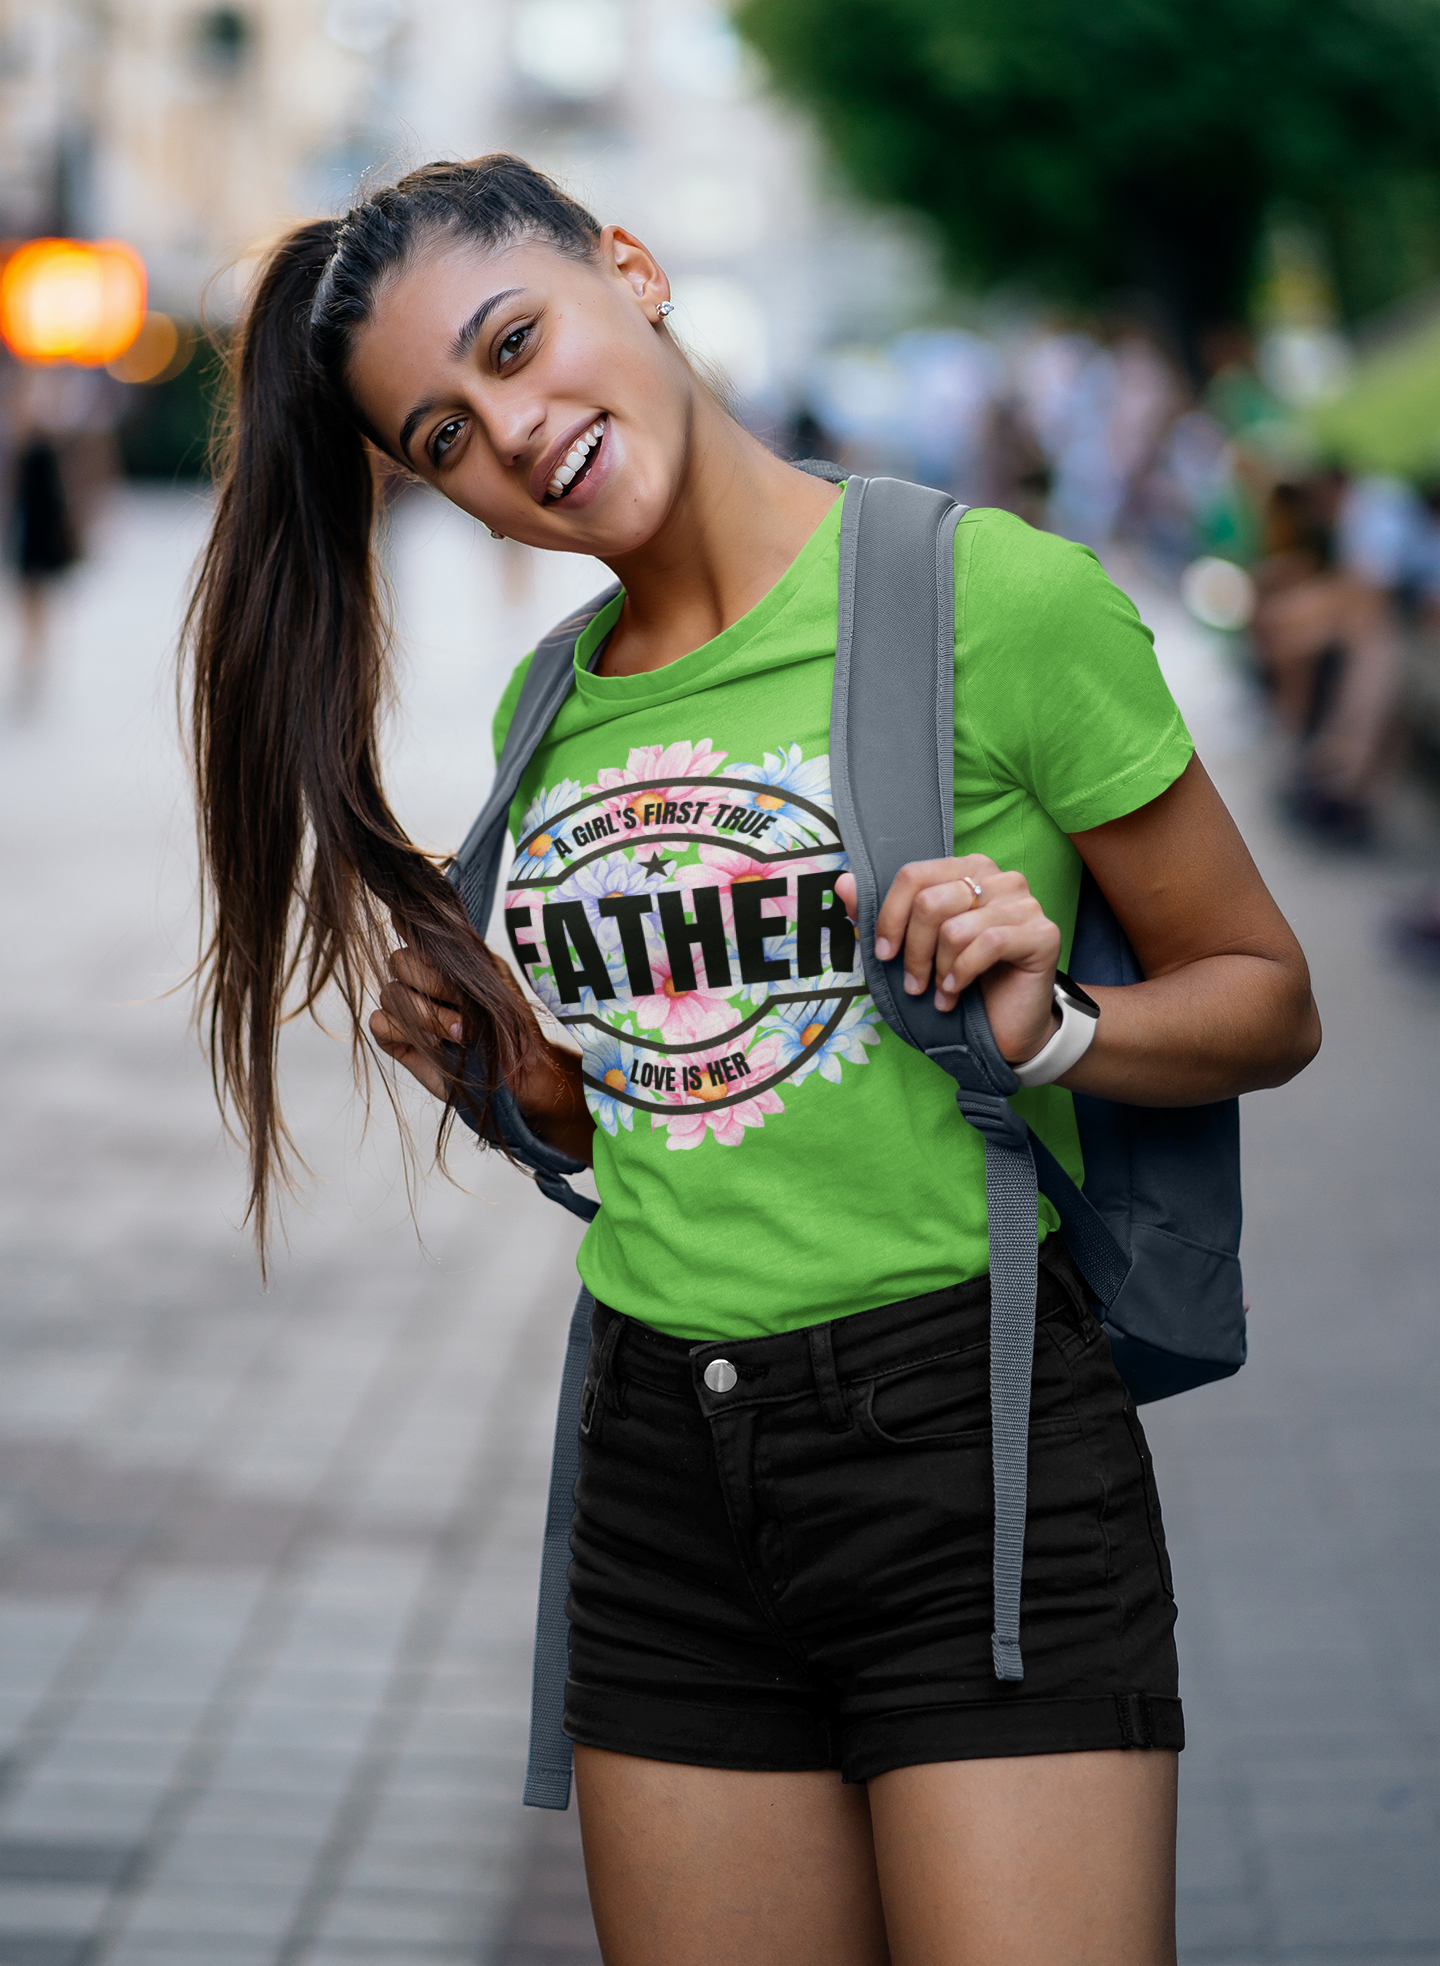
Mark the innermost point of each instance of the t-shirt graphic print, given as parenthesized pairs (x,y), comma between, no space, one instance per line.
(767,1151)
(679,918)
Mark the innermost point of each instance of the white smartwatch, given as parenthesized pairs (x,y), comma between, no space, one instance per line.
(1079,1020)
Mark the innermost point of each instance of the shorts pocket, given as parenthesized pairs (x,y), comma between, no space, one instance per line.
(944,1399)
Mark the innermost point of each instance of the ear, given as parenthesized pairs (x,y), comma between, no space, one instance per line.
(636,265)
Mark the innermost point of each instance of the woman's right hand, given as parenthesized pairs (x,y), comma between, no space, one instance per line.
(417,999)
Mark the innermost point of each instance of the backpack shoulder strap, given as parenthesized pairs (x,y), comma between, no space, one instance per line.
(476,866)
(475,870)
(893,711)
(892,769)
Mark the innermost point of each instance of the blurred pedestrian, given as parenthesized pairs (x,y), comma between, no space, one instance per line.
(61,427)
(1328,639)
(792,1729)
(43,535)
(1099,406)
(951,376)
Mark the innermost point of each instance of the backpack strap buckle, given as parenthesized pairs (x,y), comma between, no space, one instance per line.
(993,1117)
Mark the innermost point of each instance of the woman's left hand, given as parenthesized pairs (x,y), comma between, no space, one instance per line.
(961,919)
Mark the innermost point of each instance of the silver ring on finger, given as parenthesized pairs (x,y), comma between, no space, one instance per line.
(974,886)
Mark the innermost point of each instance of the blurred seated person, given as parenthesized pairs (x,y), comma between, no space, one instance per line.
(1327,638)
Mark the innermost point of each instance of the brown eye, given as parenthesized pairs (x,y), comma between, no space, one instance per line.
(512,345)
(444,437)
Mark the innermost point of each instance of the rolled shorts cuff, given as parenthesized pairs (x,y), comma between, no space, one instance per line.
(993,1730)
(774,1740)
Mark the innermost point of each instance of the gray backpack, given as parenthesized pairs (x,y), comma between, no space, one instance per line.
(1157,1230)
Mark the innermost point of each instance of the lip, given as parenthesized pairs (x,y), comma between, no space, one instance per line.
(552,460)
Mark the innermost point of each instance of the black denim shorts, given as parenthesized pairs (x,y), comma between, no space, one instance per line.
(796,1573)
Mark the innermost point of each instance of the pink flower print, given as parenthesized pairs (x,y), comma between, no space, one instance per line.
(735,868)
(652,764)
(680,1016)
(688,1129)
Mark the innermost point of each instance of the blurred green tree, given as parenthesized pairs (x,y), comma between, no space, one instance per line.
(1133,144)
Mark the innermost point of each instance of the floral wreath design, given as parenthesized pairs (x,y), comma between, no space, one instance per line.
(677,828)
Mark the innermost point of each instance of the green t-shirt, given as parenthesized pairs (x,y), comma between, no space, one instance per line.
(768,1153)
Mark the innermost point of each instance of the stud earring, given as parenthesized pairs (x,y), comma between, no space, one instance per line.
(666,307)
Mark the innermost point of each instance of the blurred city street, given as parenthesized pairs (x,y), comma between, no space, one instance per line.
(267,1559)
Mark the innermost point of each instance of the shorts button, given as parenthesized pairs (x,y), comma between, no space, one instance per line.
(720,1375)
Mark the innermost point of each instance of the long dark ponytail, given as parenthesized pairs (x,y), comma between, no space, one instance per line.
(305,867)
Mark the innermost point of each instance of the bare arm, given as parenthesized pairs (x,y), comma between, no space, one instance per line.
(1226,1004)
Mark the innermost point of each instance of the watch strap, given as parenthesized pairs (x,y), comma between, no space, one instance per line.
(1079,1020)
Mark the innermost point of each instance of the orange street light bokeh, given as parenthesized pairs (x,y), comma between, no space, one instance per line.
(161,349)
(72,300)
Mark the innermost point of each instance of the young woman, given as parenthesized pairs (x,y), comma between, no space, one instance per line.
(790,1742)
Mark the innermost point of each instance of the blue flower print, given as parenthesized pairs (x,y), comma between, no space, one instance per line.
(611,1064)
(799,1024)
(778,949)
(788,771)
(536,858)
(616,874)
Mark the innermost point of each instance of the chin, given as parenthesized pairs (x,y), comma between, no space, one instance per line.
(620,522)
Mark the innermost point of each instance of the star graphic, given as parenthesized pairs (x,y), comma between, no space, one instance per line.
(654,865)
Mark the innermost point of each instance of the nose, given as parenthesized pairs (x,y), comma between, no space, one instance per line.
(514,427)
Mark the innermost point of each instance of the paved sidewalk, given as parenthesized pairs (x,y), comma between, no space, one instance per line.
(1300,1498)
(550,1922)
(267,1561)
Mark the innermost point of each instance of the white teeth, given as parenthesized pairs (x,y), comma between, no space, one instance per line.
(575,458)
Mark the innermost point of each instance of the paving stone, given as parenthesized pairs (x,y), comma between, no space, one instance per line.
(295,1813)
(102,1719)
(551,1923)
(431,1917)
(304,1726)
(213,1909)
(50,1907)
(87,1811)
(448,1872)
(21,1948)
(199,1948)
(359,1952)
(57,1861)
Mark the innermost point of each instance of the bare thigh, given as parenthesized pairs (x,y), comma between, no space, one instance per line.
(1043,1860)
(1040,1860)
(719,1867)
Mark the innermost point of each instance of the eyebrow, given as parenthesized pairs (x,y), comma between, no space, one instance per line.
(460,347)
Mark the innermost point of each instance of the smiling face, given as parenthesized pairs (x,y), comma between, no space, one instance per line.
(534,390)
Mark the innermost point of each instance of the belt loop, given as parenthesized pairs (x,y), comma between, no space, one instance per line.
(600,1389)
(827,1382)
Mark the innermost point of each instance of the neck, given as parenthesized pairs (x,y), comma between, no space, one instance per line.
(739,518)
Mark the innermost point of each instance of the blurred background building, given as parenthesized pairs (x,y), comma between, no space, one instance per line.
(198,133)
